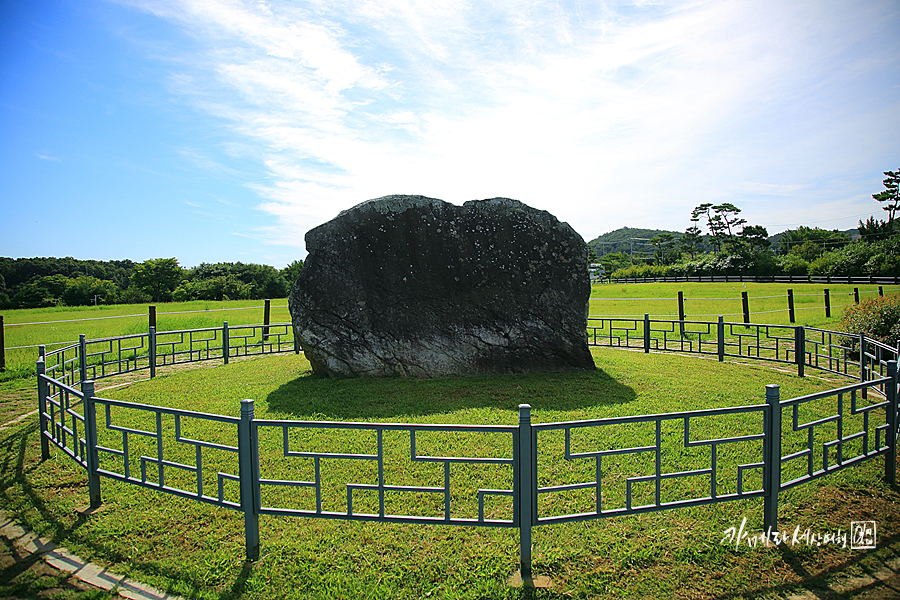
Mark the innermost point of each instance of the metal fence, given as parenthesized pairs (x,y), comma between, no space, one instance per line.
(106,357)
(520,476)
(884,280)
(804,347)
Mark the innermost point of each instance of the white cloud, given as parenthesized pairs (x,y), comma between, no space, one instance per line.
(606,114)
(771,189)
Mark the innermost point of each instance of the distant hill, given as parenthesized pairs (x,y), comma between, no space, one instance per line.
(776,240)
(627,239)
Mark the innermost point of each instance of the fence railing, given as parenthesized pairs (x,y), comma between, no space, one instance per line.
(524,476)
(883,280)
(845,354)
(106,357)
(740,303)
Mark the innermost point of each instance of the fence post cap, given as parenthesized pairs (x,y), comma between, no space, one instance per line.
(247,406)
(524,414)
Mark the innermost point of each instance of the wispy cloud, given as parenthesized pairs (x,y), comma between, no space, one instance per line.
(771,189)
(47,157)
(606,114)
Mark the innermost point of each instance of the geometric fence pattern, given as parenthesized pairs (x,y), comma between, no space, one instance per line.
(777,444)
(96,359)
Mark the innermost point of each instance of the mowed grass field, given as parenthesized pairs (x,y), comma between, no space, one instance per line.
(196,550)
(703,301)
(768,302)
(55,326)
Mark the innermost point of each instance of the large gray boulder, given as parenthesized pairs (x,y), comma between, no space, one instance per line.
(418,287)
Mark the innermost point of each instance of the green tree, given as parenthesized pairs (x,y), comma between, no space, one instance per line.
(40,292)
(292,272)
(726,215)
(158,277)
(664,245)
(264,281)
(228,287)
(808,251)
(713,224)
(890,196)
(691,240)
(792,264)
(613,261)
(134,295)
(823,238)
(755,236)
(85,291)
(721,220)
(874,229)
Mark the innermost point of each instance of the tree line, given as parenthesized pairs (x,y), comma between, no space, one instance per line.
(43,282)
(720,242)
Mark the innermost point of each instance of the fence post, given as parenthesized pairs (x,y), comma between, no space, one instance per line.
(42,392)
(827,304)
(152,343)
(856,295)
(82,351)
(862,364)
(646,333)
(151,316)
(721,336)
(791,305)
(248,454)
(746,304)
(772,460)
(881,291)
(225,341)
(681,311)
(862,358)
(890,459)
(800,349)
(527,502)
(2,348)
(266,312)
(90,441)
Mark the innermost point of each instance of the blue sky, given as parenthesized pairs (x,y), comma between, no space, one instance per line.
(223,130)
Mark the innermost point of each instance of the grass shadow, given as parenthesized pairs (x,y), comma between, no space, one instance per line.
(818,585)
(16,474)
(377,398)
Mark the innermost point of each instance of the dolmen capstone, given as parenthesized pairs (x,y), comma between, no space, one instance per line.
(418,287)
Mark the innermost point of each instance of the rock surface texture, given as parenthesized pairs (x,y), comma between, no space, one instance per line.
(418,287)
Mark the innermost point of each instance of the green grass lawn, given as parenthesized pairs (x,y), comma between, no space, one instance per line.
(65,324)
(703,301)
(768,302)
(196,550)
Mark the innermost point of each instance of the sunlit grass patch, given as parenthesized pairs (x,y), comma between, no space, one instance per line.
(196,550)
